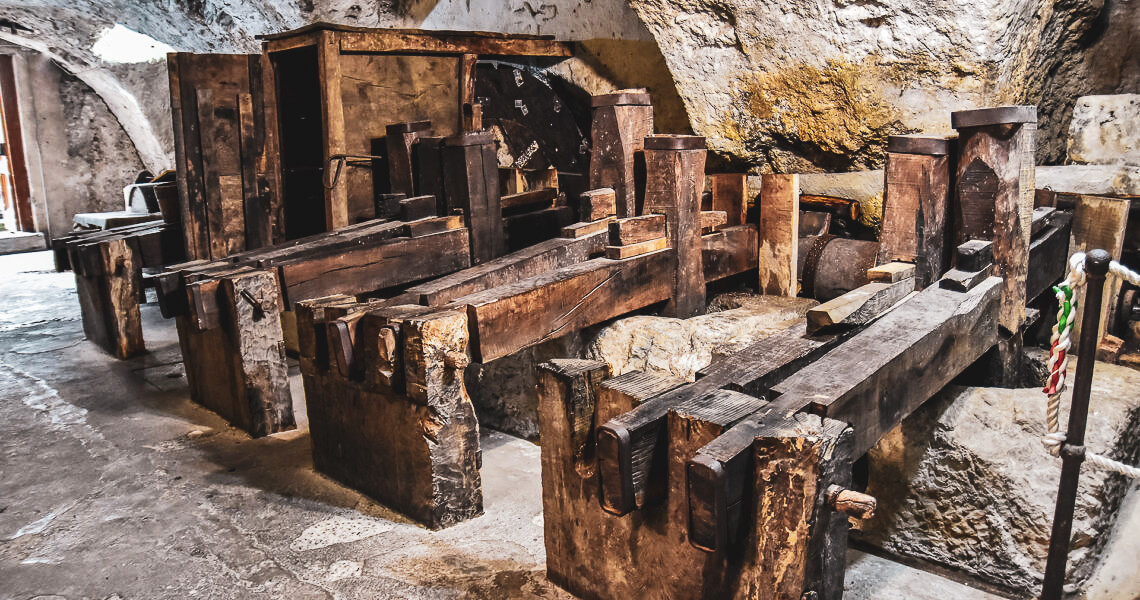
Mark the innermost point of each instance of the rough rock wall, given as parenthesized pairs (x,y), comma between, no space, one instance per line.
(802,85)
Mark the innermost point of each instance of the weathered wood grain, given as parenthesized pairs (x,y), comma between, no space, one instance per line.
(620,125)
(779,233)
(675,167)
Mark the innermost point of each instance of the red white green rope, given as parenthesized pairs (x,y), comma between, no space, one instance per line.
(1059,358)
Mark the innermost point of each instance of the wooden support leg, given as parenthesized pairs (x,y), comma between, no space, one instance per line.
(429,177)
(621,122)
(779,234)
(265,403)
(915,205)
(994,202)
(675,166)
(471,181)
(109,284)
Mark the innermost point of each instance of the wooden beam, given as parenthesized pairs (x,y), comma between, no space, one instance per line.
(634,230)
(401,140)
(1100,222)
(471,181)
(621,122)
(674,166)
(779,233)
(916,202)
(730,194)
(419,41)
(597,204)
(857,307)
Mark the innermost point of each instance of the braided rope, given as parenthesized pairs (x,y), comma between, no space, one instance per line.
(1060,342)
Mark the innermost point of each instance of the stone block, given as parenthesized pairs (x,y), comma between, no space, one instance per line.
(1105,130)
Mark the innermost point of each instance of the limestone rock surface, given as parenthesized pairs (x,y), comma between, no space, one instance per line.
(965,481)
(1105,130)
(681,347)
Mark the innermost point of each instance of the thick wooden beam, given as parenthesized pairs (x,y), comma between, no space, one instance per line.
(634,230)
(779,234)
(621,122)
(857,307)
(730,251)
(597,204)
(916,204)
(535,260)
(675,166)
(471,181)
(109,290)
(401,140)
(1099,222)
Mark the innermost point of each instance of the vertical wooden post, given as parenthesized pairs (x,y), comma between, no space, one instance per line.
(471,181)
(994,194)
(779,234)
(401,141)
(621,122)
(916,197)
(429,177)
(730,194)
(1099,223)
(994,202)
(675,175)
(332,113)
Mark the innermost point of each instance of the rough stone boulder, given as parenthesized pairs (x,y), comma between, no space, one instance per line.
(1105,130)
(681,347)
(965,481)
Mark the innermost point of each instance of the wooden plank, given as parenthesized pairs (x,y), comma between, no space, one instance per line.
(1049,255)
(257,212)
(857,307)
(431,42)
(268,141)
(509,318)
(587,228)
(621,394)
(529,200)
(630,250)
(674,166)
(535,260)
(845,208)
(915,210)
(429,177)
(891,272)
(779,231)
(369,268)
(597,204)
(635,230)
(730,194)
(620,125)
(1099,222)
(712,220)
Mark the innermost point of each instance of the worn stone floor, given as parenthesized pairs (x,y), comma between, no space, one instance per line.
(114,485)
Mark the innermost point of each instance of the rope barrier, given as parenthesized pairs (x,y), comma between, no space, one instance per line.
(1060,342)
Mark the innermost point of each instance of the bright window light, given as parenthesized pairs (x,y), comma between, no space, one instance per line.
(121,45)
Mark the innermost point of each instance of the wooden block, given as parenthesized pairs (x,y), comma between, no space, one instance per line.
(779,233)
(730,195)
(1109,349)
(597,204)
(1049,255)
(857,307)
(419,207)
(587,228)
(728,252)
(635,230)
(529,228)
(963,281)
(471,172)
(891,272)
(1042,217)
(387,206)
(619,252)
(973,255)
(401,140)
(675,166)
(712,220)
(1130,359)
(432,226)
(529,200)
(618,132)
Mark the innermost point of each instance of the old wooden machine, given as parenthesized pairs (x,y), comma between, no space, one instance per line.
(739,485)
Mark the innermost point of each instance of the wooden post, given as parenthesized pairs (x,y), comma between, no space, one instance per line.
(730,194)
(675,167)
(429,177)
(401,141)
(994,202)
(332,116)
(916,199)
(779,233)
(621,123)
(1099,223)
(108,276)
(471,181)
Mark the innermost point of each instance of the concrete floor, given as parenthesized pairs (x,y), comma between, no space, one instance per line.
(114,485)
